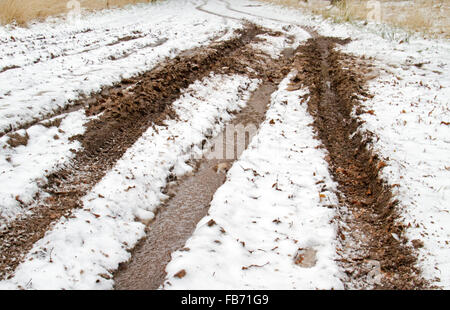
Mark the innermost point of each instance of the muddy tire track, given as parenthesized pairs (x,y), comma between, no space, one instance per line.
(190,198)
(177,218)
(125,111)
(77,104)
(374,250)
(202,9)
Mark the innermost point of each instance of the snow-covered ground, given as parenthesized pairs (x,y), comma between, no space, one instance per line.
(411,117)
(268,226)
(76,58)
(22,168)
(53,62)
(58,61)
(82,252)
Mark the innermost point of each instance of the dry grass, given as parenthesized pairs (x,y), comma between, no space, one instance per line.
(23,11)
(431,17)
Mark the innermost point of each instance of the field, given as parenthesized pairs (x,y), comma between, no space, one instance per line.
(427,16)
(23,11)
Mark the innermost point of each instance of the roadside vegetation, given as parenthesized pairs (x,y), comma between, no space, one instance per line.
(431,17)
(23,11)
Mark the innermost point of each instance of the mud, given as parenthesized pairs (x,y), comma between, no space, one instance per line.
(191,197)
(125,111)
(15,139)
(374,251)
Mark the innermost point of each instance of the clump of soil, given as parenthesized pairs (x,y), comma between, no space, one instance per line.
(372,234)
(16,139)
(8,68)
(53,123)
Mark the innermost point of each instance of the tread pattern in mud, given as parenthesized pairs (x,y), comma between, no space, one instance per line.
(374,251)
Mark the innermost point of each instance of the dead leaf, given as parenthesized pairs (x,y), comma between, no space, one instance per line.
(105,276)
(381,165)
(417,244)
(293,87)
(322,196)
(180,274)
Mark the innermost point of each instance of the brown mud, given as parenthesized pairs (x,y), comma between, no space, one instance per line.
(374,250)
(125,111)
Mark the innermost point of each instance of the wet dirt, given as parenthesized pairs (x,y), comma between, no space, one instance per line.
(125,111)
(374,252)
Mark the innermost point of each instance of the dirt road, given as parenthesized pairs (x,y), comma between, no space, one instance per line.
(373,249)
(371,217)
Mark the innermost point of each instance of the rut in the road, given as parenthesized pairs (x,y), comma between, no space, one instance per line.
(191,196)
(177,218)
(374,251)
(129,109)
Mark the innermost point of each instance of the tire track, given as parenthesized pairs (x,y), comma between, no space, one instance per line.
(77,104)
(124,112)
(191,196)
(202,9)
(377,255)
(374,250)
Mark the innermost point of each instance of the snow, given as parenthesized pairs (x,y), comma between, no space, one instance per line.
(411,113)
(411,110)
(23,168)
(82,252)
(276,46)
(58,61)
(67,58)
(271,205)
